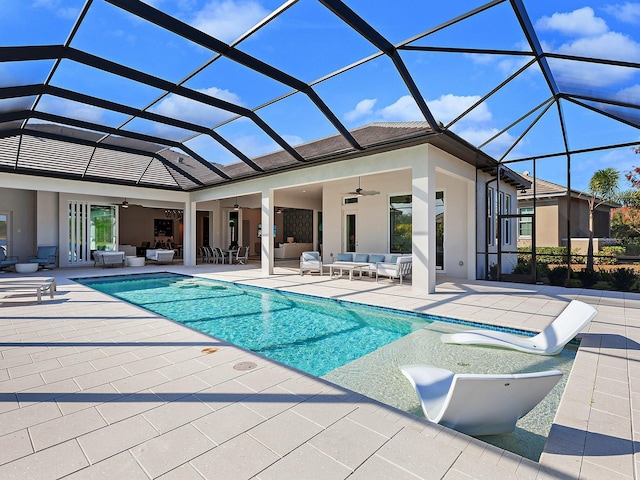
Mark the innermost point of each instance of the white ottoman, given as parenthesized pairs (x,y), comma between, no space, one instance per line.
(133,261)
(26,267)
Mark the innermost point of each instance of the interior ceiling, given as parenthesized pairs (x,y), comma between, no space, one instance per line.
(85,97)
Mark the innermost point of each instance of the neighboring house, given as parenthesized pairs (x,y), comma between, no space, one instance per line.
(552,228)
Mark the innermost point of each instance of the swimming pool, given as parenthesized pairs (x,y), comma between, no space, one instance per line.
(311,334)
(358,347)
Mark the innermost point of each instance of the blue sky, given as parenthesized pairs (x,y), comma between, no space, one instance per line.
(309,42)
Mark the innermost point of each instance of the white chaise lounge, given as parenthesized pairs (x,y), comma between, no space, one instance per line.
(550,341)
(30,284)
(478,404)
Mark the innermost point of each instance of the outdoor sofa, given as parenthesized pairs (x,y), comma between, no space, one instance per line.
(391,265)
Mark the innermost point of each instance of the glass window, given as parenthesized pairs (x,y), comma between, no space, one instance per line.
(400,223)
(439,230)
(505,209)
(525,223)
(103,228)
(4,233)
(491,227)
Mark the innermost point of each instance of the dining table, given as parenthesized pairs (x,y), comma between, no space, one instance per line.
(231,252)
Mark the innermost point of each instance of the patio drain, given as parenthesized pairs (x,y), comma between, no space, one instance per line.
(244,366)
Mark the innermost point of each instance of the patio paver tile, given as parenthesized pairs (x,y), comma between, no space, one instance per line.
(349,443)
(183,444)
(65,428)
(54,462)
(285,432)
(308,463)
(240,458)
(419,454)
(121,466)
(228,422)
(116,438)
(15,445)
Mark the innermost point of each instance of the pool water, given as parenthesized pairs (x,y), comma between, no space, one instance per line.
(313,335)
(355,346)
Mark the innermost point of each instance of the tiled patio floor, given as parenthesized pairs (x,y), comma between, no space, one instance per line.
(91,387)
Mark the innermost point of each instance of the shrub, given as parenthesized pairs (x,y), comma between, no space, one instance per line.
(558,276)
(622,279)
(588,277)
(574,283)
(524,268)
(553,255)
(602,285)
(608,255)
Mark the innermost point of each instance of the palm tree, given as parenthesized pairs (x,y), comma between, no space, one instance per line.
(603,188)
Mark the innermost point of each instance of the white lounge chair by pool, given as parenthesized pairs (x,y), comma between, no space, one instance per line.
(550,341)
(478,404)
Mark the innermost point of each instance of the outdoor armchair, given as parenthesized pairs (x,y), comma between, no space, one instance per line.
(6,262)
(310,262)
(45,257)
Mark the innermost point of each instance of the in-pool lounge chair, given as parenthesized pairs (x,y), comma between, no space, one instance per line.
(478,404)
(550,341)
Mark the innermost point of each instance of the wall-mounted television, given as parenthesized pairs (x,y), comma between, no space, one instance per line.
(162,228)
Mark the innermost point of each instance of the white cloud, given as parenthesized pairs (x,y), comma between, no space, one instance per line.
(69,13)
(580,22)
(611,45)
(175,106)
(363,108)
(449,106)
(293,140)
(404,109)
(226,20)
(629,94)
(71,109)
(627,12)
(477,136)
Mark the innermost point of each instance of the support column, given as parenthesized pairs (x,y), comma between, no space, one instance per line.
(471,231)
(266,245)
(189,241)
(423,277)
(216,226)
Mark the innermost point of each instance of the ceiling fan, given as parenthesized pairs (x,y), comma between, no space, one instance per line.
(359,192)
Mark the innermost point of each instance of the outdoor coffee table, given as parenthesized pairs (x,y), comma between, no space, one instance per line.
(350,266)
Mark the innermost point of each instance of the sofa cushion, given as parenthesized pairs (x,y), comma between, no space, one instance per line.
(376,258)
(344,257)
(307,256)
(394,258)
(361,258)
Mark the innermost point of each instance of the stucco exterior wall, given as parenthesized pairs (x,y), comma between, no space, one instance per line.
(21,207)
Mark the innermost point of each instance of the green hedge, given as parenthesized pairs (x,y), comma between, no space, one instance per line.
(553,255)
